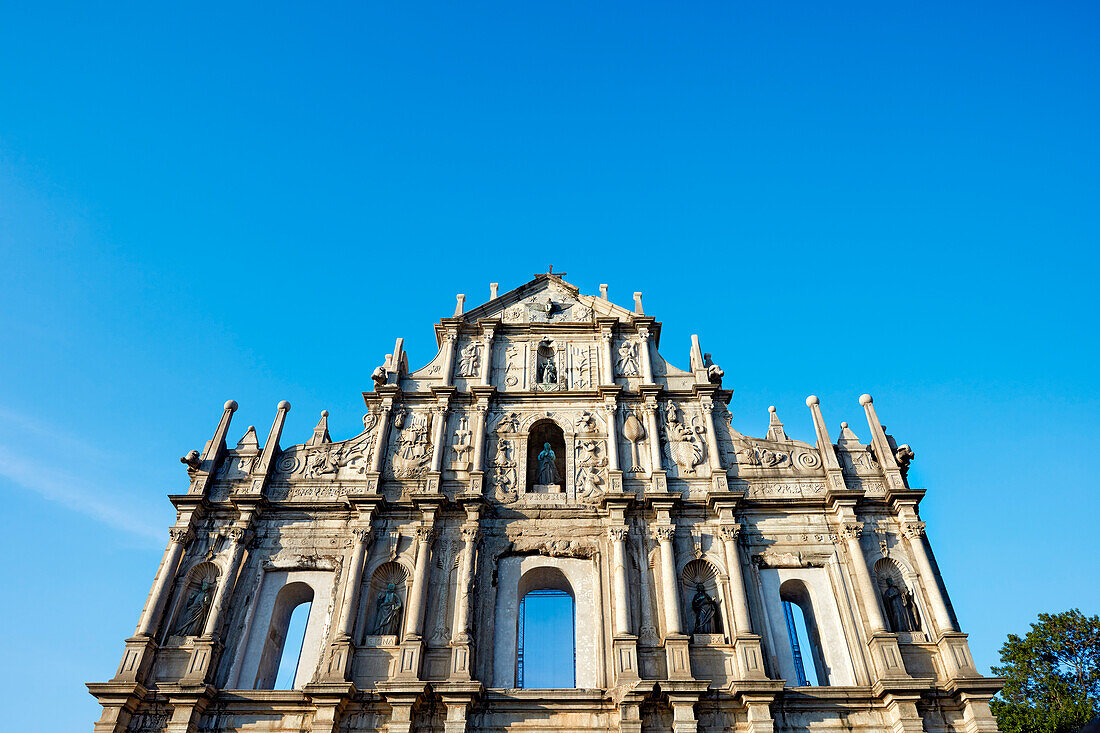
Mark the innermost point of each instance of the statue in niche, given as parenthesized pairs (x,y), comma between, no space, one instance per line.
(462,447)
(548,471)
(549,372)
(470,360)
(706,610)
(388,615)
(900,608)
(628,359)
(193,617)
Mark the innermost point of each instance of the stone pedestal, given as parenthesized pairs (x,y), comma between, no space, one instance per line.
(203,659)
(750,656)
(136,660)
(408,659)
(679,661)
(461,659)
(624,650)
(886,656)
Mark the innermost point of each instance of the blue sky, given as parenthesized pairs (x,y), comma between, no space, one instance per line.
(205,202)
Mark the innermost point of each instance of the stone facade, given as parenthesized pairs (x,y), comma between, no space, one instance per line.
(682,542)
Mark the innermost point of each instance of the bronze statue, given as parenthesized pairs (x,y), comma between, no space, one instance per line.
(900,608)
(193,617)
(548,470)
(388,616)
(549,372)
(706,609)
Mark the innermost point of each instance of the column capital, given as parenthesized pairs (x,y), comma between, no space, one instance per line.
(643,333)
(618,533)
(182,535)
(851,530)
(664,532)
(425,534)
(729,532)
(913,530)
(363,534)
(470,534)
(239,535)
(450,336)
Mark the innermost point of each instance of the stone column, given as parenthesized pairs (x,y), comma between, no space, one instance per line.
(612,411)
(228,580)
(648,633)
(383,434)
(647,362)
(354,580)
(620,600)
(650,408)
(479,437)
(707,404)
(414,626)
(914,531)
(670,594)
(852,532)
(449,339)
(438,426)
(178,539)
(466,579)
(487,362)
(742,621)
(605,358)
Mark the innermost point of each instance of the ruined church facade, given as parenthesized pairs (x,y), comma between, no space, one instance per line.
(720,582)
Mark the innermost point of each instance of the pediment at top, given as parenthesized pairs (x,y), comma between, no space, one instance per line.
(547,299)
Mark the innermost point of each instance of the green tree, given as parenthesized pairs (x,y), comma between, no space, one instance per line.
(1052,675)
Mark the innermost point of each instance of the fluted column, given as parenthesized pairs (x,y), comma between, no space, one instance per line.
(621,601)
(415,626)
(914,532)
(741,619)
(354,580)
(669,592)
(654,439)
(852,532)
(177,543)
(647,362)
(383,434)
(466,580)
(612,411)
(227,581)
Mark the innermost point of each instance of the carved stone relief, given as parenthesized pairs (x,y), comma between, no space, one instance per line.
(685,443)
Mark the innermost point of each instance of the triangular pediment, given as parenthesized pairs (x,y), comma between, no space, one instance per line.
(546,299)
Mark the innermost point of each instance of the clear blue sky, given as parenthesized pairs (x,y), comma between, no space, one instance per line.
(202,202)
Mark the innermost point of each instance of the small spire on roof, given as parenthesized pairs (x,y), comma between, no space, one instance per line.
(493,290)
(775,428)
(638,304)
(248,440)
(320,433)
(460,298)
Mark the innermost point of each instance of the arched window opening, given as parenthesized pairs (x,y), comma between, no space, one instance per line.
(546,631)
(546,458)
(273,660)
(803,635)
(292,647)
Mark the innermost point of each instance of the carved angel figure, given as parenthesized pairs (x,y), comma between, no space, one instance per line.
(588,482)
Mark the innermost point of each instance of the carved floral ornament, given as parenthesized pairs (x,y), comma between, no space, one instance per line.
(425,534)
(362,534)
(182,535)
(729,532)
(913,530)
(664,532)
(617,534)
(852,530)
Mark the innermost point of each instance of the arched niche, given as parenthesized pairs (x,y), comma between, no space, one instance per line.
(193,602)
(388,586)
(542,433)
(518,576)
(900,606)
(703,598)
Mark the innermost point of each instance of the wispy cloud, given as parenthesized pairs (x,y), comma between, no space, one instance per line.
(33,457)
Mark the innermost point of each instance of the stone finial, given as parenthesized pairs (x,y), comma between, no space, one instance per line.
(847,437)
(460,299)
(638,304)
(320,433)
(603,290)
(249,441)
(812,400)
(865,399)
(775,428)
(230,406)
(493,290)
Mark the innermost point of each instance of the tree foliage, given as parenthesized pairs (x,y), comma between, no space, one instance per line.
(1052,675)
